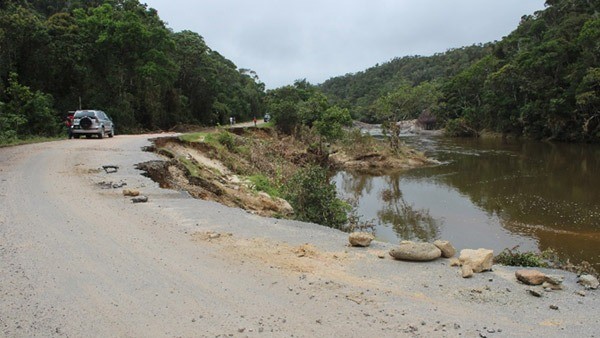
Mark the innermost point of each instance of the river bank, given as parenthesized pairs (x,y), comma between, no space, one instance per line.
(238,167)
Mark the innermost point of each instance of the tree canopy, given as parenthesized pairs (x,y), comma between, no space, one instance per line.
(541,81)
(118,56)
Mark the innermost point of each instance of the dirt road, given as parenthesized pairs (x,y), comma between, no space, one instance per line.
(79,260)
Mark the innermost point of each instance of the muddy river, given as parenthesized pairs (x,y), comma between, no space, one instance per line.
(489,193)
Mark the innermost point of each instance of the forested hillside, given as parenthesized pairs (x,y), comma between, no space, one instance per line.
(541,81)
(114,55)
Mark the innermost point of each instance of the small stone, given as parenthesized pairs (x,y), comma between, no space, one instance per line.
(588,281)
(140,199)
(241,330)
(554,307)
(534,293)
(362,239)
(466,271)
(550,286)
(530,277)
(131,192)
(554,279)
(580,293)
(446,247)
(419,252)
(480,260)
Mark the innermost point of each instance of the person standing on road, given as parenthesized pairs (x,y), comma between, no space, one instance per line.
(231,120)
(69,124)
(254,120)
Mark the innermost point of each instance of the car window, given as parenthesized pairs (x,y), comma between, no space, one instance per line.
(81,114)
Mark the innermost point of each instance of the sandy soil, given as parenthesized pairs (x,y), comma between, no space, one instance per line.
(80,260)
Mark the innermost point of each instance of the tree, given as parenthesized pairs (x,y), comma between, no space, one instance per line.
(25,112)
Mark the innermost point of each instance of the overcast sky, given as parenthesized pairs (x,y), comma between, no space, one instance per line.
(317,39)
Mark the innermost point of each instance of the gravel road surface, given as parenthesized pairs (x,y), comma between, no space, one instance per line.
(78,259)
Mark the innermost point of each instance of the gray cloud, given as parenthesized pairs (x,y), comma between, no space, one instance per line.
(288,40)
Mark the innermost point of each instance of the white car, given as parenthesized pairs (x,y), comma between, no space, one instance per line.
(92,122)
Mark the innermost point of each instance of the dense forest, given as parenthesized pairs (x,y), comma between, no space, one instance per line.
(114,55)
(541,81)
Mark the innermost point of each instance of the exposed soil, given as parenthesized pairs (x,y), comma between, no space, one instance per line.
(211,171)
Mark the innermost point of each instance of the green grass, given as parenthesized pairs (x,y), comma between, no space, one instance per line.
(262,183)
(30,140)
(194,137)
(193,169)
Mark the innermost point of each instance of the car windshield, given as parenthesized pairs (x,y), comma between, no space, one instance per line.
(84,114)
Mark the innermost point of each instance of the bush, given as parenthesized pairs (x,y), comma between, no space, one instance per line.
(314,198)
(512,257)
(227,139)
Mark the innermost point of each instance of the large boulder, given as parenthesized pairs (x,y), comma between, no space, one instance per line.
(479,260)
(360,239)
(446,247)
(419,252)
(530,277)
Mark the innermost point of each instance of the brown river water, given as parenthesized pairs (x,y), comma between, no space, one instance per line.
(491,194)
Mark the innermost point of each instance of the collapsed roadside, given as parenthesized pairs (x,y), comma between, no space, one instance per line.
(249,168)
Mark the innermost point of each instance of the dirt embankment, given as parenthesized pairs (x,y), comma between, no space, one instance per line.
(229,167)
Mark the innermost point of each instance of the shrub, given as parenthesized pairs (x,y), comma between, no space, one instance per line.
(314,198)
(227,139)
(512,257)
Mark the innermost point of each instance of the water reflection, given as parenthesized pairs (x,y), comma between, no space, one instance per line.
(490,193)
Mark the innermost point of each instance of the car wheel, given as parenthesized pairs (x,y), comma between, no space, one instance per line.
(112,132)
(101,133)
(85,123)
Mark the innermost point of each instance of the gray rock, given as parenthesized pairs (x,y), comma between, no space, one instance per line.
(588,281)
(360,239)
(554,279)
(140,199)
(419,252)
(550,287)
(446,247)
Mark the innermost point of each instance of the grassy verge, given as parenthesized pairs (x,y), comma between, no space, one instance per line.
(38,139)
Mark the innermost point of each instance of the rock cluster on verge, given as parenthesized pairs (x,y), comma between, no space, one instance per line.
(535,277)
(362,239)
